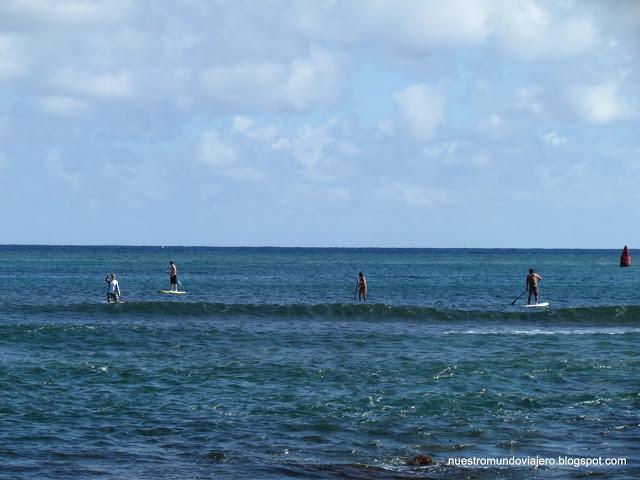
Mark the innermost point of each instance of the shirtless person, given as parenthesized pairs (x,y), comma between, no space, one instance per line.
(173,276)
(532,285)
(362,287)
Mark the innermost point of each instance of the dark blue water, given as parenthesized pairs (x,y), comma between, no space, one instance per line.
(267,369)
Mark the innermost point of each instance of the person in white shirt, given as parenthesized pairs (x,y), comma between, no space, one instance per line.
(113,295)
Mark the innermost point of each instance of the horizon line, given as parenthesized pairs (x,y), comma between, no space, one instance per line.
(274,247)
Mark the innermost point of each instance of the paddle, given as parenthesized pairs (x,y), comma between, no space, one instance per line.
(179,282)
(516,299)
(355,292)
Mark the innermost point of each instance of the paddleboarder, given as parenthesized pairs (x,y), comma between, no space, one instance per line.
(173,276)
(113,295)
(532,285)
(362,288)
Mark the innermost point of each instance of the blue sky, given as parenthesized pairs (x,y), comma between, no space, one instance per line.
(470,123)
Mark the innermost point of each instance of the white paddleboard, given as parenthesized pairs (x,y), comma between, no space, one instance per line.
(172,292)
(534,305)
(112,303)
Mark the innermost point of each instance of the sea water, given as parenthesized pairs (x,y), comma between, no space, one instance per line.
(268,369)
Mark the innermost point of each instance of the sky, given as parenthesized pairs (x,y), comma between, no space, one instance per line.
(352,123)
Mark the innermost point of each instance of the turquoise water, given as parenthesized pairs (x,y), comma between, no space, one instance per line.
(267,369)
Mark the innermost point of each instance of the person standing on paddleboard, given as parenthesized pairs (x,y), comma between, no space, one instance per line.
(362,288)
(532,285)
(113,295)
(173,276)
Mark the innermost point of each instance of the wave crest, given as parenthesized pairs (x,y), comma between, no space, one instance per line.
(579,315)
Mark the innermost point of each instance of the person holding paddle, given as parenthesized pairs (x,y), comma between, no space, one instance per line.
(361,288)
(532,285)
(173,276)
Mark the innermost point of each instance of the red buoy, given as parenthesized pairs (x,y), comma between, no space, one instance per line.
(625,258)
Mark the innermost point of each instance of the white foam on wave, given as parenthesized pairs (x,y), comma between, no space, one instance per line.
(546,331)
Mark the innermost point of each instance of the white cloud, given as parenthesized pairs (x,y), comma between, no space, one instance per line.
(419,110)
(308,146)
(396,24)
(552,138)
(10,65)
(599,104)
(224,159)
(417,196)
(492,124)
(323,151)
(625,15)
(575,36)
(444,149)
(458,152)
(481,160)
(527,29)
(106,85)
(245,84)
(282,144)
(313,80)
(280,66)
(241,124)
(213,151)
(266,134)
(62,106)
(524,28)
(39,13)
(527,100)
(299,84)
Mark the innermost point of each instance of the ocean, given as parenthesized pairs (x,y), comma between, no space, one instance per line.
(268,369)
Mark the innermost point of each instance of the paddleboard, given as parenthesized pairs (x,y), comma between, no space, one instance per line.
(112,303)
(533,305)
(172,292)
